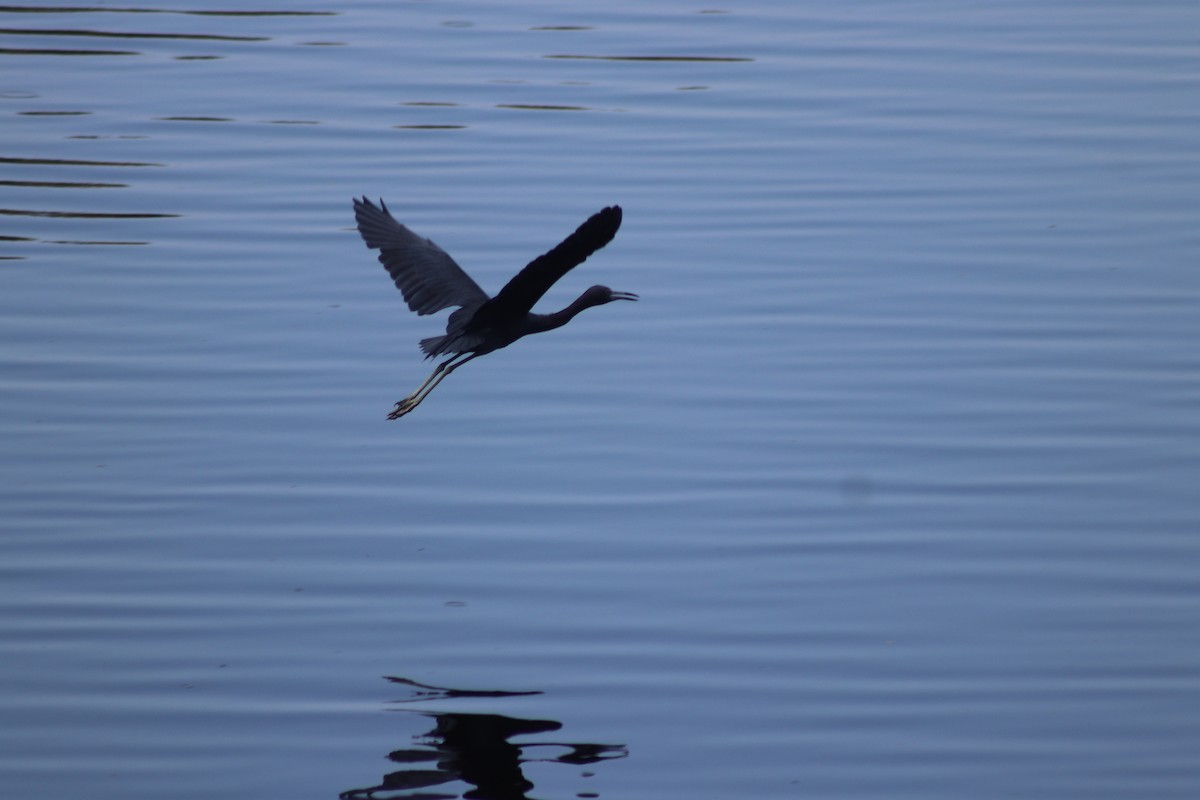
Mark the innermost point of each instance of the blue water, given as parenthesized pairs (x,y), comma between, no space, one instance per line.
(887,486)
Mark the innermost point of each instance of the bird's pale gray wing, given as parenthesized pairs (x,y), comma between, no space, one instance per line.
(424,273)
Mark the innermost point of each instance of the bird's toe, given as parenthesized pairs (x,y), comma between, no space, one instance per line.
(402,408)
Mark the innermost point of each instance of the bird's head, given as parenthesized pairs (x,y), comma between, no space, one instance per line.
(599,295)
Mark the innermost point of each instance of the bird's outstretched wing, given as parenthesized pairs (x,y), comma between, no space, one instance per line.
(519,295)
(423,272)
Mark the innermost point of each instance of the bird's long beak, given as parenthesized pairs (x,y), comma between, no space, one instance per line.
(624,296)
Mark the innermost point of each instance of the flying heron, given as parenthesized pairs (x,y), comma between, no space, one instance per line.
(430,281)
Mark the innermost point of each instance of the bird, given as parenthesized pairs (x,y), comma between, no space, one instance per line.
(430,281)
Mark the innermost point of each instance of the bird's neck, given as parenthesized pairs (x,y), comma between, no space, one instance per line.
(548,322)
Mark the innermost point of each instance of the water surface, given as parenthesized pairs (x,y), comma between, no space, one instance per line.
(885,488)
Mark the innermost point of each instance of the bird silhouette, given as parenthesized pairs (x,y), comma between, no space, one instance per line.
(431,281)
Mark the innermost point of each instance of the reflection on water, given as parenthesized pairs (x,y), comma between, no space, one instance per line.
(76,162)
(430,127)
(62,51)
(57,198)
(477,749)
(192,12)
(685,59)
(127,34)
(540,107)
(66,184)
(27,212)
(893,494)
(425,691)
(44,40)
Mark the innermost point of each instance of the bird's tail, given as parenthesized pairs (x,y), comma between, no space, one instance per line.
(432,346)
(457,339)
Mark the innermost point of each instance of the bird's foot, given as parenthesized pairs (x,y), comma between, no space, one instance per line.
(403,407)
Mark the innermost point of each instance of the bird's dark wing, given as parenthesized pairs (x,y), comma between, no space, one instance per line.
(519,295)
(423,272)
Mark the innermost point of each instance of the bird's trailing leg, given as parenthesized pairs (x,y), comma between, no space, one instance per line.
(437,376)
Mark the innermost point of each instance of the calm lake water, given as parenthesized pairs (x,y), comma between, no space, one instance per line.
(886,488)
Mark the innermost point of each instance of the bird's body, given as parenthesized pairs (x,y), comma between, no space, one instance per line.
(431,281)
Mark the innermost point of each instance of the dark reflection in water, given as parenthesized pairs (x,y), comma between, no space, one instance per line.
(652,58)
(84,34)
(424,691)
(65,184)
(76,162)
(475,749)
(56,51)
(28,212)
(541,107)
(214,37)
(116,10)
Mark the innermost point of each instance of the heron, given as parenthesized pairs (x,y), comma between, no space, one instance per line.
(431,281)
